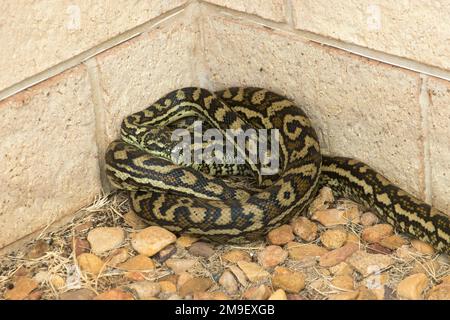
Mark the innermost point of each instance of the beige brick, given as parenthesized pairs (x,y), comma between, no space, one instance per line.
(413,29)
(137,73)
(36,35)
(439,94)
(269,9)
(361,108)
(48,154)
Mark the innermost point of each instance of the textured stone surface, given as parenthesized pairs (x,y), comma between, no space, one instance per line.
(151,65)
(359,107)
(439,95)
(269,9)
(47,154)
(424,33)
(39,34)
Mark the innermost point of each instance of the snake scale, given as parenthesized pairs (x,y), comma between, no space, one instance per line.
(185,199)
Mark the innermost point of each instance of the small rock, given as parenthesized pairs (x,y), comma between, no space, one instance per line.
(278,295)
(81,246)
(376,281)
(137,263)
(210,296)
(352,238)
(299,252)
(114,294)
(337,256)
(412,287)
(304,228)
(290,281)
(116,257)
(35,295)
(151,240)
(183,278)
(431,266)
(261,292)
(333,239)
(366,294)
(422,247)
(202,249)
(376,233)
(167,287)
(134,221)
(185,241)
(145,289)
(235,255)
(440,292)
(240,275)
(22,288)
(39,249)
(393,242)
(366,263)
(42,276)
(90,263)
(341,269)
(445,279)
(378,248)
(344,282)
(83,227)
(180,265)
(104,239)
(134,276)
(344,296)
(195,285)
(253,271)
(272,256)
(323,199)
(57,281)
(165,254)
(228,281)
(369,219)
(280,235)
(79,294)
(334,217)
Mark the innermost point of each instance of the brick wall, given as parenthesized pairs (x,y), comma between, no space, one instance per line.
(374,76)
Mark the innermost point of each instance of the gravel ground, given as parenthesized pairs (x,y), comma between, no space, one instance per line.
(338,252)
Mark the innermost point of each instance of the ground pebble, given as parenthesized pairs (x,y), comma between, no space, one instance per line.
(334,217)
(412,287)
(344,282)
(39,248)
(79,294)
(236,255)
(115,294)
(290,281)
(138,263)
(272,256)
(374,234)
(304,228)
(279,294)
(366,263)
(253,271)
(228,281)
(202,249)
(180,265)
(104,239)
(393,242)
(145,289)
(261,292)
(369,219)
(22,288)
(334,238)
(422,247)
(281,235)
(151,240)
(185,241)
(117,256)
(194,285)
(440,292)
(337,256)
(90,263)
(300,252)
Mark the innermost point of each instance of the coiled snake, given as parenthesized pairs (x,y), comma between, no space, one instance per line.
(184,199)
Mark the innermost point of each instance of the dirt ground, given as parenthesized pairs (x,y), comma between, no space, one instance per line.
(49,267)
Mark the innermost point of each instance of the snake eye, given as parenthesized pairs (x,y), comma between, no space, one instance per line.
(287,194)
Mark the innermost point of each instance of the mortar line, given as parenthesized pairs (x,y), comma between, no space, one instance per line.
(99,119)
(424,103)
(289,13)
(387,58)
(91,52)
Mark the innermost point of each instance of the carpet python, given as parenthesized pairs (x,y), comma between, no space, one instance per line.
(202,201)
